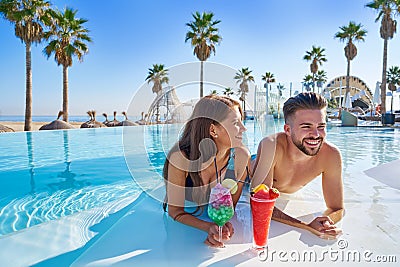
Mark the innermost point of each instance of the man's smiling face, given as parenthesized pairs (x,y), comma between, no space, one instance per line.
(308,130)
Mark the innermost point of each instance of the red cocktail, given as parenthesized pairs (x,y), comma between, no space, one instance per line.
(261,211)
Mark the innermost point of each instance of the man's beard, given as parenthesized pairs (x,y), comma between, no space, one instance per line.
(309,152)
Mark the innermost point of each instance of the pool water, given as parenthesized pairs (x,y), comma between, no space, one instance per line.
(47,175)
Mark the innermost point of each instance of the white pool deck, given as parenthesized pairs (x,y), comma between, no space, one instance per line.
(136,232)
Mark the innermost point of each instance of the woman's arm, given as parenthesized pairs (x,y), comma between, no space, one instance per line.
(176,204)
(242,164)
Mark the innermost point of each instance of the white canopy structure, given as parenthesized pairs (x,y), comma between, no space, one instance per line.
(166,107)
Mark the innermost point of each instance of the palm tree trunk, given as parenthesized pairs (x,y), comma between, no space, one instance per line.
(266,99)
(313,82)
(391,103)
(65,93)
(347,79)
(28,95)
(201,78)
(383,85)
(158,112)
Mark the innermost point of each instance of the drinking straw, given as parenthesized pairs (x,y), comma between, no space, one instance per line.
(216,170)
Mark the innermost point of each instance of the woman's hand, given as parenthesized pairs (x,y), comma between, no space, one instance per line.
(325,226)
(213,235)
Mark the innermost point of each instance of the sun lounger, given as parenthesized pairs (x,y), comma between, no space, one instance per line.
(348,119)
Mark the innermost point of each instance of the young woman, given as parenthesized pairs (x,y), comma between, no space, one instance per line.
(210,146)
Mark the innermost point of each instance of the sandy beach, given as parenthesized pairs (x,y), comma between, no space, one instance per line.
(18,126)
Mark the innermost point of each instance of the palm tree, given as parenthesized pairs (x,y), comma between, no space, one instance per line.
(280,88)
(350,33)
(308,82)
(228,92)
(243,76)
(27,17)
(386,10)
(316,56)
(320,78)
(393,79)
(268,78)
(68,37)
(204,36)
(213,92)
(158,75)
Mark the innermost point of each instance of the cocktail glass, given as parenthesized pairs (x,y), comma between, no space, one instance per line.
(220,207)
(261,211)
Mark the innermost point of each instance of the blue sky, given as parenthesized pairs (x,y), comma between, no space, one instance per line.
(129,36)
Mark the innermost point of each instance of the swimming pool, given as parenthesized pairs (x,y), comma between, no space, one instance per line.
(45,176)
(48,175)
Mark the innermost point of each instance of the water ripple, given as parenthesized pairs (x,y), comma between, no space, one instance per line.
(42,207)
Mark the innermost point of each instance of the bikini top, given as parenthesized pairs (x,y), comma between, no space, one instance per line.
(230,169)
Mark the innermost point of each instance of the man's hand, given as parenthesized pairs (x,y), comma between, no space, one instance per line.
(325,226)
(213,235)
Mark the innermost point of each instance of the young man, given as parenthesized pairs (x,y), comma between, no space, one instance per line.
(289,160)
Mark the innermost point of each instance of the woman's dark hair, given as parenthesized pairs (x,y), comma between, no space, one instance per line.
(195,141)
(303,101)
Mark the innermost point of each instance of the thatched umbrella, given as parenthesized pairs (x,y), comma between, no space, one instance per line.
(127,122)
(106,122)
(114,122)
(92,123)
(87,123)
(142,121)
(97,123)
(4,129)
(57,124)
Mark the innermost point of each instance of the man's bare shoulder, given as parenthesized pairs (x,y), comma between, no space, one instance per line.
(273,144)
(277,138)
(331,149)
(330,154)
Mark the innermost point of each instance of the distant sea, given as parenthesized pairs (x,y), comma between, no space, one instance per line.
(70,118)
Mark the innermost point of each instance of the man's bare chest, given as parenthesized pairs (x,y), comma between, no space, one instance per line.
(290,177)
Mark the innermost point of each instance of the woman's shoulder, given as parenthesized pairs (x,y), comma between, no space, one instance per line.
(242,157)
(242,152)
(179,160)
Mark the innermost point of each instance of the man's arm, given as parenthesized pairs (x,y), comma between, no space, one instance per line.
(282,217)
(332,187)
(332,184)
(262,168)
(334,215)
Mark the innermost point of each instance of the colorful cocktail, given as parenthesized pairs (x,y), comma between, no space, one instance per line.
(220,207)
(262,205)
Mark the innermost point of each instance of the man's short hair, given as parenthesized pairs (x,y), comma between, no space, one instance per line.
(303,101)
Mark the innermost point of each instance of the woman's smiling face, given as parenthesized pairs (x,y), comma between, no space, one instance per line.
(231,130)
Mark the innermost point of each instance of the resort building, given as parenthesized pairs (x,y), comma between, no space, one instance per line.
(360,93)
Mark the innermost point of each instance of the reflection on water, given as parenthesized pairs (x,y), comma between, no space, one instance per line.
(29,145)
(68,180)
